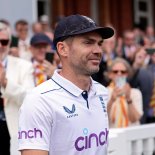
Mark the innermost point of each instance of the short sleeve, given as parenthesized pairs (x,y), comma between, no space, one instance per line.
(35,123)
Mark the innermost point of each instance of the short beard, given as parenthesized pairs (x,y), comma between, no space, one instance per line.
(90,72)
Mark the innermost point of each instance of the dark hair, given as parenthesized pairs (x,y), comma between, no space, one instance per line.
(21,22)
(6,22)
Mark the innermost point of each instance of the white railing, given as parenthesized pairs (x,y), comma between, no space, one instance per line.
(138,140)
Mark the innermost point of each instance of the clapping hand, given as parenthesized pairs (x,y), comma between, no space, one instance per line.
(125,90)
(3,80)
(49,67)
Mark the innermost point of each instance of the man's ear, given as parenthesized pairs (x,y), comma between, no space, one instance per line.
(62,48)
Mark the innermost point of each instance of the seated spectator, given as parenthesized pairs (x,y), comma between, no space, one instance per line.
(125,103)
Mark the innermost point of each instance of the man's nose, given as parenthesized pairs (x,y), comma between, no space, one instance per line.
(98,49)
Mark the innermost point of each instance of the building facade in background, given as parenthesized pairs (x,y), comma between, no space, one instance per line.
(121,14)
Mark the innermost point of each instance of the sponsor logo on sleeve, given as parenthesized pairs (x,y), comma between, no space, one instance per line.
(29,134)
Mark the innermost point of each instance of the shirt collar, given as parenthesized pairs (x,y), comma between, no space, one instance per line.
(69,86)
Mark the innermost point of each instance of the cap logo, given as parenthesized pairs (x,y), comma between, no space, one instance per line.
(89,19)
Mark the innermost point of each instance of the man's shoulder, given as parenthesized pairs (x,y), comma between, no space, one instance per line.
(39,98)
(47,87)
(99,87)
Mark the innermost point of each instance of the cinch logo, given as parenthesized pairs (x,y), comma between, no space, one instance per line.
(71,112)
(35,133)
(86,142)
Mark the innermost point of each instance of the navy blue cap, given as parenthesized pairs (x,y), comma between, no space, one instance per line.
(40,38)
(78,24)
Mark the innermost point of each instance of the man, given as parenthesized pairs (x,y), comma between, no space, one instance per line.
(40,46)
(44,20)
(36,27)
(68,112)
(16,78)
(129,46)
(22,33)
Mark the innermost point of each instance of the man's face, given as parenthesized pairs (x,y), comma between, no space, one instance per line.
(22,31)
(129,39)
(4,44)
(39,52)
(85,53)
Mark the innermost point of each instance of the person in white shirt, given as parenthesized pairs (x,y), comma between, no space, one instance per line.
(16,79)
(22,32)
(68,113)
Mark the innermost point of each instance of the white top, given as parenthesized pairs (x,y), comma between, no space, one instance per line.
(136,98)
(56,117)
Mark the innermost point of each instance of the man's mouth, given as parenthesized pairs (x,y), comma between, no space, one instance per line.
(95,61)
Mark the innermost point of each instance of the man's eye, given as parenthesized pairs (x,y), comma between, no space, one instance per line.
(88,42)
(100,44)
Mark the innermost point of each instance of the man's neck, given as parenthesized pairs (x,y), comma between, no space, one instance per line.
(81,81)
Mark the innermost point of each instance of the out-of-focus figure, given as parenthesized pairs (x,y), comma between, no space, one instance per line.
(125,103)
(16,79)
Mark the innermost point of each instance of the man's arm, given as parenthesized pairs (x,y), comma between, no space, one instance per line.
(34,152)
(35,125)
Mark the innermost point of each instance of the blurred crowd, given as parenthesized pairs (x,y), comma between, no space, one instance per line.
(127,69)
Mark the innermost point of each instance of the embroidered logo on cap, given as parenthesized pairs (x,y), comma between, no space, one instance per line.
(89,19)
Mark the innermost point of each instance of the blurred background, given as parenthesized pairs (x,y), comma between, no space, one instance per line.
(119,13)
(133,43)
